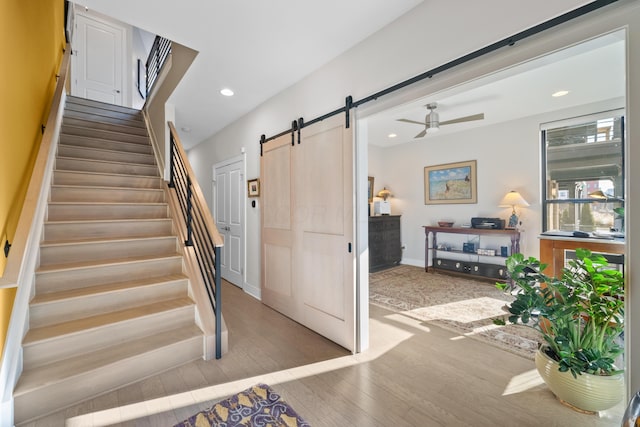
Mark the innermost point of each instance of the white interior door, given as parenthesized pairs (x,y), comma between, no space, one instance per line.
(229,216)
(308,256)
(98,59)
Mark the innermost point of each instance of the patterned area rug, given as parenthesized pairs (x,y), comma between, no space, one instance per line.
(458,304)
(257,406)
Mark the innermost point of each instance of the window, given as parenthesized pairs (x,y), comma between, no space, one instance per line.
(583,170)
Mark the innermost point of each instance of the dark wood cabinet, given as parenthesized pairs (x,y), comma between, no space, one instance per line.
(385,249)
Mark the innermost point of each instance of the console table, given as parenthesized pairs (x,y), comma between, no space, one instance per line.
(481,265)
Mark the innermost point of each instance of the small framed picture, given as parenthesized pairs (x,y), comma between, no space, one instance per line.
(253,187)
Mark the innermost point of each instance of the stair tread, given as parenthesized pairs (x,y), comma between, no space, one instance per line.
(104,289)
(80,172)
(54,243)
(70,141)
(144,139)
(102,161)
(101,115)
(38,377)
(128,153)
(92,102)
(45,333)
(104,123)
(102,263)
(96,221)
(104,187)
(109,203)
(99,239)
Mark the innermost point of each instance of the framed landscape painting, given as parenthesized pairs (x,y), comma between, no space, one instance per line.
(450,183)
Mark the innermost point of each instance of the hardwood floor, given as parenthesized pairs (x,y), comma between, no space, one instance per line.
(413,375)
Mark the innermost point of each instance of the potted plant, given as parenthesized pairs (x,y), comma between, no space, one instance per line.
(580,318)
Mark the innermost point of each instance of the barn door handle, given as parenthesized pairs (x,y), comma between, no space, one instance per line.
(349,247)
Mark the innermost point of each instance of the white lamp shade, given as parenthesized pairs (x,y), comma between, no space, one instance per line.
(513,199)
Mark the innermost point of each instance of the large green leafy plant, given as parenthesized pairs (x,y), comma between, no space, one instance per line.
(580,315)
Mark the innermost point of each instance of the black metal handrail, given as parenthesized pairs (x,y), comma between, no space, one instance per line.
(159,53)
(201,231)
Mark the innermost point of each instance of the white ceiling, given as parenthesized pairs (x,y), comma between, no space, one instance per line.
(592,72)
(256,48)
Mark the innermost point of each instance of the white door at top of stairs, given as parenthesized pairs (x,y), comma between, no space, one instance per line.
(98,60)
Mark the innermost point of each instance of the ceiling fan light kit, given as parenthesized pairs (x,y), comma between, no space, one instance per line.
(432,121)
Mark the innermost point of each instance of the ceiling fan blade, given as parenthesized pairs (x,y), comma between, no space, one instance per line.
(421,134)
(411,121)
(464,119)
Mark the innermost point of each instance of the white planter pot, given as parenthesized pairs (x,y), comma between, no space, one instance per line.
(587,392)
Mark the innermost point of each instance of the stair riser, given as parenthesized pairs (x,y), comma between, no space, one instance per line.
(83,104)
(113,127)
(96,230)
(105,167)
(82,141)
(57,396)
(65,310)
(104,134)
(71,211)
(97,115)
(105,180)
(99,251)
(55,281)
(45,352)
(89,194)
(105,155)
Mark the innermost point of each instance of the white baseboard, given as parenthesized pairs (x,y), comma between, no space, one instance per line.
(252,290)
(414,262)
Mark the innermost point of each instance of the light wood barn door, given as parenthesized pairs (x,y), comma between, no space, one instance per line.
(277,289)
(324,259)
(308,254)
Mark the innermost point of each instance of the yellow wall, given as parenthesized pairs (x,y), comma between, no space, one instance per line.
(32,35)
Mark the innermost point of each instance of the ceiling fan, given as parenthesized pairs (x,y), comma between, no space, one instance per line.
(432,120)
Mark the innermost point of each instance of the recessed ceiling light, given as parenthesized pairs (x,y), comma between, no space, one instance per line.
(226,92)
(560,93)
(392,135)
(186,129)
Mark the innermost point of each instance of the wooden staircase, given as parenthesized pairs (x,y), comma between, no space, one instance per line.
(111,304)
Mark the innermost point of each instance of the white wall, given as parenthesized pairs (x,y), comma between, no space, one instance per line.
(508,158)
(142,41)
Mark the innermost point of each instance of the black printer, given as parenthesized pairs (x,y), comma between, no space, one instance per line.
(491,223)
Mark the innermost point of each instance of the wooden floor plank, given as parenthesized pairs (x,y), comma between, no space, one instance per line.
(414,374)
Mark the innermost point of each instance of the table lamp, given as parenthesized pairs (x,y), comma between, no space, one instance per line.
(384,207)
(513,199)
